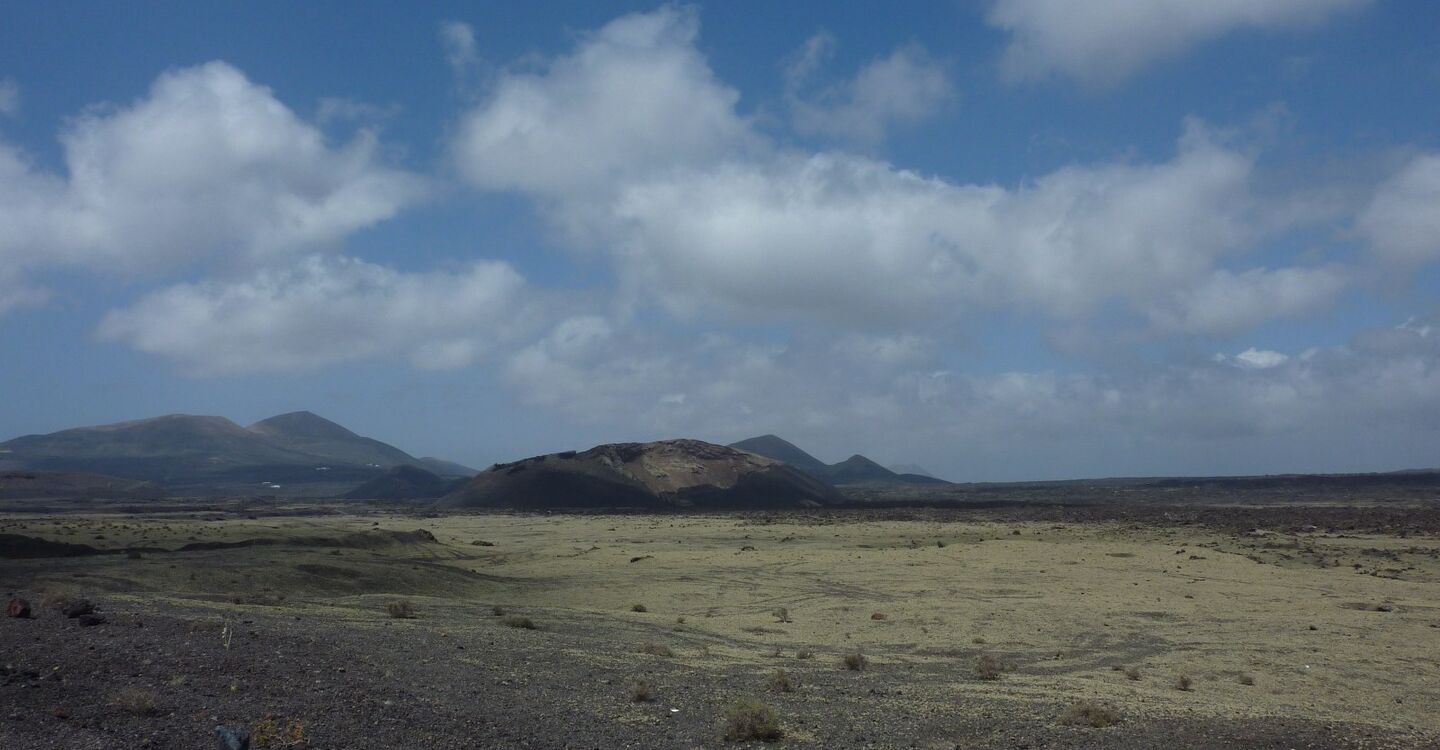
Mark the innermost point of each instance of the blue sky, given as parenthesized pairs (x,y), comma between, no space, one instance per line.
(1006,240)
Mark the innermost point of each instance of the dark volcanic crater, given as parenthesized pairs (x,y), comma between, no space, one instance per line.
(663,474)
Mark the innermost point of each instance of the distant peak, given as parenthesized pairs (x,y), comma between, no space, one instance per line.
(301,424)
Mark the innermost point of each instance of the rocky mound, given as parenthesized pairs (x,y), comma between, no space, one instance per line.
(44,484)
(403,483)
(667,474)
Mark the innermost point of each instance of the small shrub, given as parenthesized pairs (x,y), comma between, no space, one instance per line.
(782,615)
(1091,714)
(1247,679)
(1133,673)
(497,611)
(781,682)
(855,662)
(749,719)
(656,649)
(516,621)
(641,692)
(401,609)
(680,620)
(1183,682)
(804,653)
(638,608)
(58,600)
(269,732)
(988,667)
(136,701)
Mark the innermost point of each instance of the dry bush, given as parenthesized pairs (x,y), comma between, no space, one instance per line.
(1133,673)
(641,692)
(1183,682)
(272,733)
(136,701)
(781,682)
(656,649)
(855,662)
(1091,714)
(400,609)
(516,621)
(59,599)
(988,667)
(638,608)
(1247,679)
(749,719)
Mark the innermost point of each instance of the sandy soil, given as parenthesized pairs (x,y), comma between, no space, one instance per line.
(1335,632)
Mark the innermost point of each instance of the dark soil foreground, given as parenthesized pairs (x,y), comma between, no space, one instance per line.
(333,682)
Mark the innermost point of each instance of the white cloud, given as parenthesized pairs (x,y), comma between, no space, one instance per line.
(630,145)
(1402,221)
(1259,359)
(208,166)
(458,40)
(9,97)
(634,98)
(905,87)
(1229,303)
(1100,42)
(836,237)
(321,311)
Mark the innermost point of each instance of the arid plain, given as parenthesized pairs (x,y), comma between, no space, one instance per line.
(1306,627)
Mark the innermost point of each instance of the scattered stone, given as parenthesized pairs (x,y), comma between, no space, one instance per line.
(233,739)
(18,608)
(78,608)
(90,620)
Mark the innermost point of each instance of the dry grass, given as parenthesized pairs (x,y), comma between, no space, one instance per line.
(400,609)
(781,682)
(656,649)
(136,701)
(516,621)
(749,719)
(641,692)
(1091,714)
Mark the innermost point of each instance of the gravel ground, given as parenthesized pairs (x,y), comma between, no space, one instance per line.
(159,675)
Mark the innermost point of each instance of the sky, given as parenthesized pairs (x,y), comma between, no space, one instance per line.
(1002,239)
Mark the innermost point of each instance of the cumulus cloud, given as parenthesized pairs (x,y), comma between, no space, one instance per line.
(904,87)
(325,310)
(702,214)
(1228,303)
(208,166)
(634,98)
(1101,42)
(1402,221)
(834,236)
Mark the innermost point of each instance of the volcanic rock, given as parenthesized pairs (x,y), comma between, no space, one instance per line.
(660,475)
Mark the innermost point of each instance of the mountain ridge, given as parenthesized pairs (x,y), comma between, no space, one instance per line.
(856,469)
